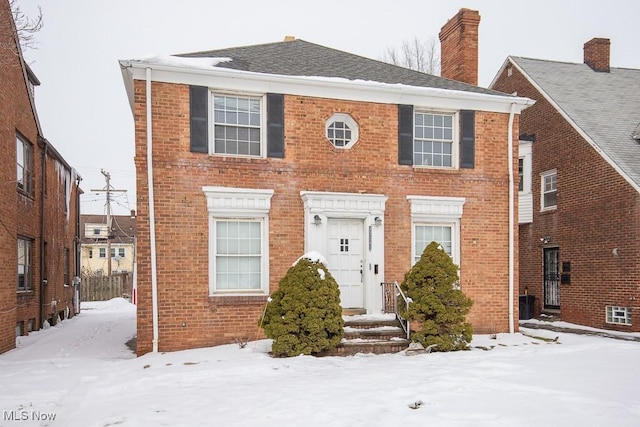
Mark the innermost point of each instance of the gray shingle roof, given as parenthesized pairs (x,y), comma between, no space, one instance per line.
(606,106)
(301,58)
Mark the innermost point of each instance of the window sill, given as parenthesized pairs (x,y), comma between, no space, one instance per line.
(236,157)
(551,209)
(25,292)
(238,298)
(26,194)
(435,168)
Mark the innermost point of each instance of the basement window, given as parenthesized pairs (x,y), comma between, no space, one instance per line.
(618,315)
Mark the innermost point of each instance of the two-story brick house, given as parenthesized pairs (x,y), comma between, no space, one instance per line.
(39,205)
(579,240)
(249,157)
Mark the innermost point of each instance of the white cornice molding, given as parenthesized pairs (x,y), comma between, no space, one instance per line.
(237,201)
(321,87)
(436,207)
(322,201)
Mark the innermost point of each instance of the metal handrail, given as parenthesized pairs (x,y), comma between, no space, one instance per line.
(395,292)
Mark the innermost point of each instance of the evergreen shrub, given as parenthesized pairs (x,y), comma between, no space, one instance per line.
(437,303)
(304,315)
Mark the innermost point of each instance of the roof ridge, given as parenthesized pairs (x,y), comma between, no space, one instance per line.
(567,62)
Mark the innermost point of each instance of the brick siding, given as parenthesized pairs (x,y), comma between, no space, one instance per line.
(20,212)
(189,317)
(598,211)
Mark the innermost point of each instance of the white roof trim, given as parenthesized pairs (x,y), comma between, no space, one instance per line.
(322,87)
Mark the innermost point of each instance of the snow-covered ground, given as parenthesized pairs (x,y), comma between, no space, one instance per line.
(81,373)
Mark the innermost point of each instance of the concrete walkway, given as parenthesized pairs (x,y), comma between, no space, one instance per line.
(578,330)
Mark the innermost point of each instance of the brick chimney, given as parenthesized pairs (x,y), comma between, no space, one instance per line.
(459,47)
(596,54)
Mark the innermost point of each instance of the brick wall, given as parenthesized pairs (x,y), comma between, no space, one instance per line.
(189,317)
(15,116)
(459,47)
(598,211)
(20,213)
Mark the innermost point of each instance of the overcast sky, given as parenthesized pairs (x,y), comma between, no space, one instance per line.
(82,102)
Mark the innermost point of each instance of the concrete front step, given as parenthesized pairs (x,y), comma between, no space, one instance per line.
(371,335)
(351,347)
(383,333)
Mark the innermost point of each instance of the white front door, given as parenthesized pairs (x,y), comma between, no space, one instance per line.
(346,258)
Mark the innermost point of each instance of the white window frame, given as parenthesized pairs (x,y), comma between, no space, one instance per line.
(24,260)
(453,226)
(24,164)
(455,137)
(543,181)
(224,203)
(350,123)
(102,252)
(525,153)
(616,315)
(263,123)
(437,211)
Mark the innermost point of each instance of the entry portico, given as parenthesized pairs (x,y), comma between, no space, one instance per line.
(348,229)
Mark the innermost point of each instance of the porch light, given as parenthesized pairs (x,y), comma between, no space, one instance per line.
(378,221)
(317,220)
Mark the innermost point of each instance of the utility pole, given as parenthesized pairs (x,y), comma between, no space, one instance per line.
(107,189)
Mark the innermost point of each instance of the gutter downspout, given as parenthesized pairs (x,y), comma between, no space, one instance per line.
(152,220)
(43,182)
(511,220)
(78,250)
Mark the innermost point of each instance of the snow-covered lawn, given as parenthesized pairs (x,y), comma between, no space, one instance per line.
(81,373)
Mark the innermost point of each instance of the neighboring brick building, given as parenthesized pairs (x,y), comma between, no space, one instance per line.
(261,153)
(579,243)
(39,213)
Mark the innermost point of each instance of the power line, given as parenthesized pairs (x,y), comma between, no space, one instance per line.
(108,189)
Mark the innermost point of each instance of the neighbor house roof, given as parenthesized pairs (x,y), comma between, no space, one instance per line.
(302,58)
(123,228)
(604,107)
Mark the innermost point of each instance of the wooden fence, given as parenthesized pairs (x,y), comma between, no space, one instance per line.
(96,288)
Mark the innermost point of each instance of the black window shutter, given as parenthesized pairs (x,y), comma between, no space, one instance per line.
(275,125)
(467,139)
(199,112)
(405,134)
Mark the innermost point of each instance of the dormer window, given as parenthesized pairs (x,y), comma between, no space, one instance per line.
(342,130)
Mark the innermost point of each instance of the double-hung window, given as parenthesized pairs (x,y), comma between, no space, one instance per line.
(237,122)
(549,190)
(238,240)
(24,163)
(436,219)
(25,280)
(427,233)
(238,254)
(433,139)
(102,252)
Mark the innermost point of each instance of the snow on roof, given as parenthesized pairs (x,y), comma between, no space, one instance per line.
(179,61)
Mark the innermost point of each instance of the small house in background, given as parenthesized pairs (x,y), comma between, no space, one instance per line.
(105,249)
(579,187)
(39,206)
(248,157)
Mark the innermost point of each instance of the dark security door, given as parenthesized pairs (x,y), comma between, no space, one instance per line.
(551,278)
